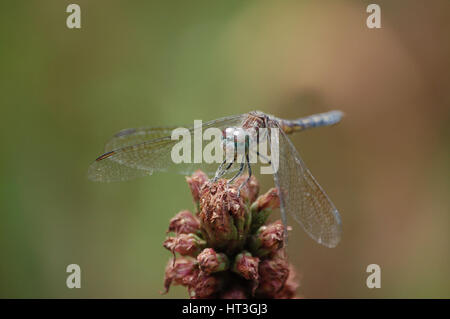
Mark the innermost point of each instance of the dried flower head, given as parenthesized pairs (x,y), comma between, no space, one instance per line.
(223,215)
(227,249)
(263,207)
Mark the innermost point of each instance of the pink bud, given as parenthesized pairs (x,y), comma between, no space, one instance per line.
(182,271)
(209,261)
(246,265)
(273,274)
(184,223)
(269,200)
(196,182)
(290,286)
(268,239)
(204,286)
(262,208)
(185,244)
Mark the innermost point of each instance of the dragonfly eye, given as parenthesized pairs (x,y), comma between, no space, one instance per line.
(232,133)
(227,133)
(234,138)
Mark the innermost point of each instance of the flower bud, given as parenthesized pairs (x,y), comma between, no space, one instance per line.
(273,273)
(196,182)
(204,286)
(268,239)
(185,244)
(182,271)
(246,265)
(184,223)
(290,286)
(209,261)
(268,200)
(263,206)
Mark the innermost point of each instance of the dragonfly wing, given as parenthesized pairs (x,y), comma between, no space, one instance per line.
(111,171)
(304,198)
(147,156)
(134,136)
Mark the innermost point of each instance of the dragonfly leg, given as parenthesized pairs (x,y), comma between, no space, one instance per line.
(249,168)
(241,169)
(220,171)
(264,157)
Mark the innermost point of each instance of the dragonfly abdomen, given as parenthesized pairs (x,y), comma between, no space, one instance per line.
(316,120)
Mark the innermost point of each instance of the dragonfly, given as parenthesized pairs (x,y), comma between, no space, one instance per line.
(139,152)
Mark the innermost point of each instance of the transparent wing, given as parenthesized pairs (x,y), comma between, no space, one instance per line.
(136,152)
(303,198)
(133,136)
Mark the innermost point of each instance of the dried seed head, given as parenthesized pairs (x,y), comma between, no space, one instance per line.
(184,223)
(222,213)
(210,262)
(216,237)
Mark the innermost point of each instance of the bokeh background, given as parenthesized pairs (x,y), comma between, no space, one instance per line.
(64,92)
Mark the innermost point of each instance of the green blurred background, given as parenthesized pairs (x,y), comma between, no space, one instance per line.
(139,63)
